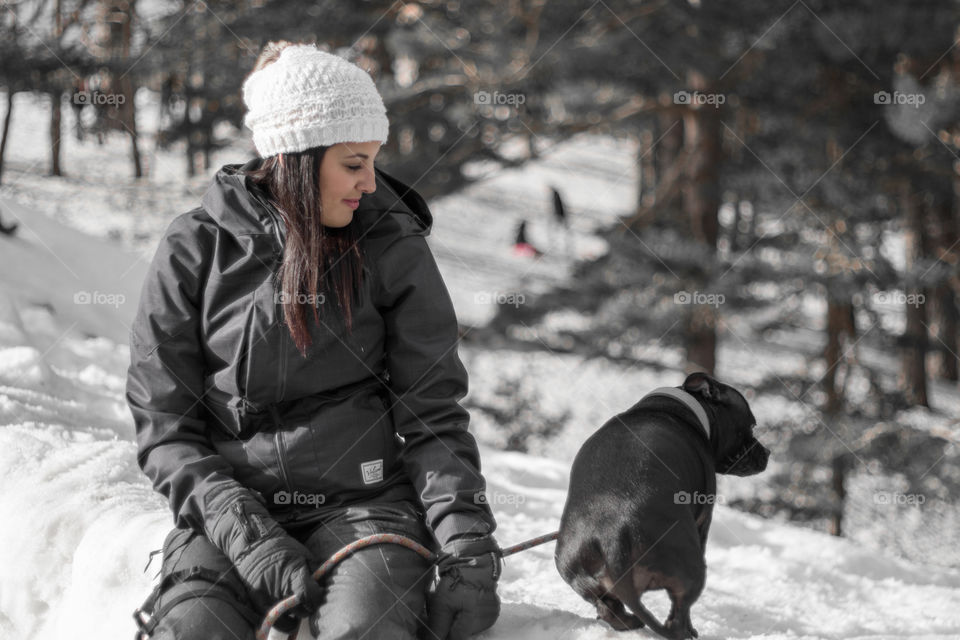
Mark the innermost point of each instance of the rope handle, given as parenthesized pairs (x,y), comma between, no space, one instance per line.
(380,538)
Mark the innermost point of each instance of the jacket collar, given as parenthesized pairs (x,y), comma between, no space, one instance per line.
(394,196)
(231,203)
(242,209)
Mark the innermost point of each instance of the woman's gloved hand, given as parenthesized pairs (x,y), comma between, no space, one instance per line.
(272,564)
(463,600)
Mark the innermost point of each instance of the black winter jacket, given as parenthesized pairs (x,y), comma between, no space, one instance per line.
(221,396)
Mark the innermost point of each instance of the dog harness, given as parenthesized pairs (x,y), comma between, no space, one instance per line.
(688,400)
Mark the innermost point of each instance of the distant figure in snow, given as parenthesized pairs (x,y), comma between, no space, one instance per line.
(521,246)
(560,216)
(559,213)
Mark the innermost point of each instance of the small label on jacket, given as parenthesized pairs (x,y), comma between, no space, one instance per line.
(372,471)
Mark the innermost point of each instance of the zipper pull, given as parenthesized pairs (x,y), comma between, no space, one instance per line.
(248,531)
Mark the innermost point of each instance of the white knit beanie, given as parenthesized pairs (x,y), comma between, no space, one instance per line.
(309,98)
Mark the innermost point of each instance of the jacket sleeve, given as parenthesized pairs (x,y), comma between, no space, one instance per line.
(165,377)
(428,380)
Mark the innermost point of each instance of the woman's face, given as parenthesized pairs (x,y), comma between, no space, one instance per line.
(346,173)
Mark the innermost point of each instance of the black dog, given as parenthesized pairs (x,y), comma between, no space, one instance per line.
(641,498)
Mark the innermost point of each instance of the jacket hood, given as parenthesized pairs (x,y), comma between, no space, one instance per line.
(242,208)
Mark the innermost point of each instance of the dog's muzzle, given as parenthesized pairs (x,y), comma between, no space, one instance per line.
(750,459)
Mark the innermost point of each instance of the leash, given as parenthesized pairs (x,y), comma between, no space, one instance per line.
(380,538)
(533,542)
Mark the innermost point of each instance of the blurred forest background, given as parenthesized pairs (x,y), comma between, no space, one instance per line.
(783,147)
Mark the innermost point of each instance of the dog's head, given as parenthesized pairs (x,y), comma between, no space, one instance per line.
(735,450)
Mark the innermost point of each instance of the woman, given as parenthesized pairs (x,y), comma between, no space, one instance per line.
(294,380)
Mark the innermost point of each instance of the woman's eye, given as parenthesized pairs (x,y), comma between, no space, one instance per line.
(355,168)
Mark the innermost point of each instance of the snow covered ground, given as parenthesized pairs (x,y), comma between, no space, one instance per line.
(78,519)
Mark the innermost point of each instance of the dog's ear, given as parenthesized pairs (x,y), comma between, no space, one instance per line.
(702,384)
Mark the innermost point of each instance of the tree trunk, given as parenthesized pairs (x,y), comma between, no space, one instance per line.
(56,95)
(839,467)
(4,228)
(191,128)
(647,176)
(700,338)
(839,323)
(116,19)
(665,155)
(913,343)
(6,129)
(913,379)
(701,190)
(701,201)
(207,129)
(55,131)
(944,301)
(128,113)
(134,146)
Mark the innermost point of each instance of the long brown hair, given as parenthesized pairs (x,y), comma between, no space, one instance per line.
(319,263)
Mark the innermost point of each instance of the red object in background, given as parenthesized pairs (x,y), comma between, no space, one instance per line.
(521,247)
(525,250)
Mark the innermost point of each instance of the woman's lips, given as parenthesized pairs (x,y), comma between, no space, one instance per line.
(353,204)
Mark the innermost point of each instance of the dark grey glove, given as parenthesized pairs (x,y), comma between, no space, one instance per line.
(272,565)
(463,600)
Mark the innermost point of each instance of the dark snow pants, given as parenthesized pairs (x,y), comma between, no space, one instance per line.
(377,592)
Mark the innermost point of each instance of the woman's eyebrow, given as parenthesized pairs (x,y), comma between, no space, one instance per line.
(357,155)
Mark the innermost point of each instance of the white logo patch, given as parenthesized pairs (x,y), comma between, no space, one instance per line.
(372,471)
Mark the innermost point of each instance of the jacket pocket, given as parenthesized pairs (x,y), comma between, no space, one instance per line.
(344,450)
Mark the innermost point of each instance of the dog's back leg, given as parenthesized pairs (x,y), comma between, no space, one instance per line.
(642,580)
(609,608)
(586,572)
(612,611)
(682,596)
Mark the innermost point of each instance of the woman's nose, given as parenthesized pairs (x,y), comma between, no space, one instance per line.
(369,182)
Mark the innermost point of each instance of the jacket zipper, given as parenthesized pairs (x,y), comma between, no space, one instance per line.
(251,523)
(282,363)
(243,367)
(281,450)
(282,373)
